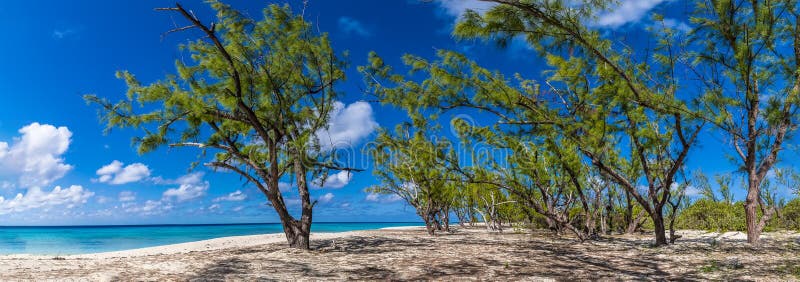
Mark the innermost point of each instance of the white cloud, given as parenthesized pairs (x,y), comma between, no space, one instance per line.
(7,185)
(103,199)
(347,125)
(284,186)
(335,181)
(35,198)
(352,26)
(191,187)
(149,207)
(373,197)
(692,191)
(239,208)
(62,33)
(292,202)
(114,173)
(677,25)
(232,197)
(127,196)
(214,207)
(457,8)
(35,157)
(382,198)
(326,198)
(627,11)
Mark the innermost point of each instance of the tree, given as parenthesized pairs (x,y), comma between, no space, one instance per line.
(748,59)
(600,95)
(256,95)
(541,172)
(411,164)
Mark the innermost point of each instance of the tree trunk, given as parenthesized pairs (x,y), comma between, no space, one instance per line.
(446,219)
(461,214)
(634,223)
(436,222)
(629,220)
(297,234)
(658,223)
(672,236)
(751,212)
(609,214)
(428,224)
(297,231)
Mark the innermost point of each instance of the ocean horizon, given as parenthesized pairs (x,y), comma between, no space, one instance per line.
(85,239)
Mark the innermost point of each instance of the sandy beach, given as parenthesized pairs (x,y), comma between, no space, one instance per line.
(410,254)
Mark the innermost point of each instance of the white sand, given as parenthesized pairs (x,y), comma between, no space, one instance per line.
(402,228)
(411,254)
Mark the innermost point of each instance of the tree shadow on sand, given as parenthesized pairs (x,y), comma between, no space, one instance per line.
(220,269)
(358,245)
(415,256)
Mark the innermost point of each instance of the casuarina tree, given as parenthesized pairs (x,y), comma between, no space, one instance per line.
(254,93)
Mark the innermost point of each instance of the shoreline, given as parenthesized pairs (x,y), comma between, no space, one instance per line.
(214,244)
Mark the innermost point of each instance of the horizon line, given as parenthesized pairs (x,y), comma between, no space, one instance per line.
(190,224)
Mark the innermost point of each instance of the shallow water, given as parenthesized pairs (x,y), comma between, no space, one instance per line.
(65,240)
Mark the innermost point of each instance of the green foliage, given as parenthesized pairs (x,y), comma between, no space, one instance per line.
(746,55)
(268,80)
(254,93)
(722,216)
(712,266)
(705,214)
(789,218)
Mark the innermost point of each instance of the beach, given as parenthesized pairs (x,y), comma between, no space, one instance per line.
(410,254)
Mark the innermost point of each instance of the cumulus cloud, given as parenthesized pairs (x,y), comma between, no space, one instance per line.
(382,198)
(326,198)
(35,198)
(347,125)
(115,174)
(127,196)
(692,191)
(352,26)
(335,181)
(627,11)
(103,199)
(191,187)
(35,157)
(232,197)
(457,8)
(150,207)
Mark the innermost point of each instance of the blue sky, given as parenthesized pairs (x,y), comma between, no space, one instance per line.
(58,168)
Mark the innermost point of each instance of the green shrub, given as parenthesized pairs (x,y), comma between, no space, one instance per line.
(705,214)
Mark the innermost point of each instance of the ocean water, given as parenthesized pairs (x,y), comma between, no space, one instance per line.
(66,240)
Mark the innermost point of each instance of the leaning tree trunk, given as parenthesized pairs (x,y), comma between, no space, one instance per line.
(634,223)
(436,222)
(297,231)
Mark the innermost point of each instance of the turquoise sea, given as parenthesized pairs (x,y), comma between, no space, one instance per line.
(66,240)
